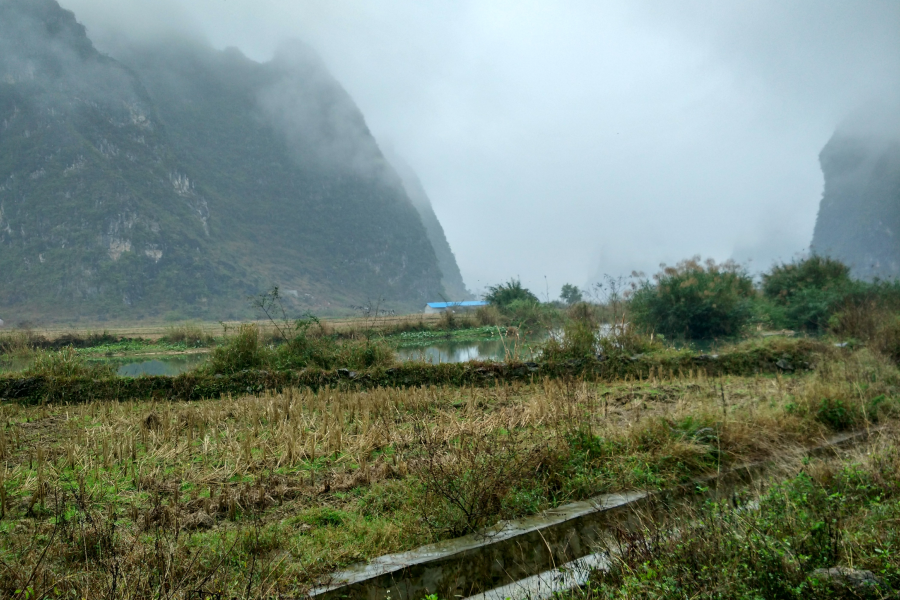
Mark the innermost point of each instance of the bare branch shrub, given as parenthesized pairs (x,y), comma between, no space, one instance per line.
(467,481)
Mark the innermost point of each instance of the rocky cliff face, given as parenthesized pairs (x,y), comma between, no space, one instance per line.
(859,216)
(451,277)
(177,178)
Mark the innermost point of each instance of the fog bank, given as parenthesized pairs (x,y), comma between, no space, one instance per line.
(572,139)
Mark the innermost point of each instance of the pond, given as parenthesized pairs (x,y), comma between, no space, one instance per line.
(163,365)
(456,352)
(157,365)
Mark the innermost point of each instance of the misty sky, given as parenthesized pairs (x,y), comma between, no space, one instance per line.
(570,139)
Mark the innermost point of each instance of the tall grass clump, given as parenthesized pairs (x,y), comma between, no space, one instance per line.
(189,334)
(583,336)
(513,304)
(695,300)
(16,343)
(241,352)
(301,346)
(488,315)
(870,324)
(66,363)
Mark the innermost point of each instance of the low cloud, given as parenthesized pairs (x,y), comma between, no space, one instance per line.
(566,140)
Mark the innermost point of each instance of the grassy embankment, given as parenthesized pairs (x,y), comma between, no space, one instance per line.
(826,514)
(264,494)
(123,345)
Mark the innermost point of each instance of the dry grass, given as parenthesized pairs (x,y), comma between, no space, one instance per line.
(109,496)
(357,325)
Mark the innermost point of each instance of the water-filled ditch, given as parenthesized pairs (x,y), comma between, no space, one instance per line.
(438,351)
(433,351)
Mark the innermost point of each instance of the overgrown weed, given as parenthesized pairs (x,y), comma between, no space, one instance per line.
(67,363)
(190,334)
(834,513)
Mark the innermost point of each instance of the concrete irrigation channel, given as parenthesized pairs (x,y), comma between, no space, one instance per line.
(537,556)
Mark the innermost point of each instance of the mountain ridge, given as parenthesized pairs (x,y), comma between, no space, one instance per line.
(859,216)
(177,179)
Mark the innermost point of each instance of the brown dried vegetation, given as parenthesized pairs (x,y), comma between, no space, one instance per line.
(265,495)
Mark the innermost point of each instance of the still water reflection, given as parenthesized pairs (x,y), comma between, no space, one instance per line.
(456,352)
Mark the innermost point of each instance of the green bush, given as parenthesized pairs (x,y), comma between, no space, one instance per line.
(805,293)
(584,337)
(505,294)
(695,300)
(787,280)
(579,340)
(837,414)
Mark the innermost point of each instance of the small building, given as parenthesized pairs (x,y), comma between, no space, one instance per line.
(438,307)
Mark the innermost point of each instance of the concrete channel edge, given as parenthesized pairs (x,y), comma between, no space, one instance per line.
(515,550)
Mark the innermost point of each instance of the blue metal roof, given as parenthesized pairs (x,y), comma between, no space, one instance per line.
(451,304)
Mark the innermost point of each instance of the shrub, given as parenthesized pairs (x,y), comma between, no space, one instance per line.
(505,294)
(241,352)
(451,320)
(694,300)
(364,355)
(583,337)
(887,339)
(837,414)
(806,293)
(787,280)
(18,342)
(467,484)
(306,349)
(584,312)
(869,314)
(303,349)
